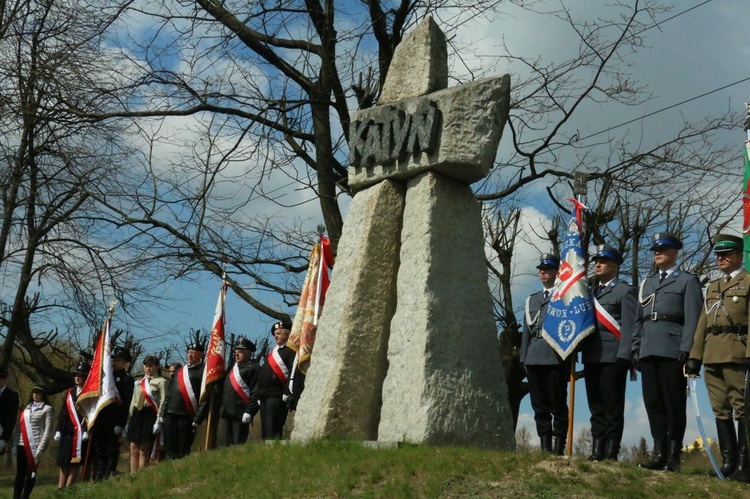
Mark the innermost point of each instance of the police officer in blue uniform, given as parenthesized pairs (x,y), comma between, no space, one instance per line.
(606,353)
(670,303)
(545,370)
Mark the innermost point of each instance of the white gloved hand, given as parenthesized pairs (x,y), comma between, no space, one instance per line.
(246,418)
(118,430)
(57,436)
(156,429)
(85,435)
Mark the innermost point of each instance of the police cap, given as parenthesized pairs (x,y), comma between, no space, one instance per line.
(727,242)
(548,260)
(608,252)
(665,239)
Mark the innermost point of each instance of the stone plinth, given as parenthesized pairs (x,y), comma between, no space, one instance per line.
(445,380)
(343,388)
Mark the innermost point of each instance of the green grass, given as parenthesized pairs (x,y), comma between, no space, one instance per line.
(343,469)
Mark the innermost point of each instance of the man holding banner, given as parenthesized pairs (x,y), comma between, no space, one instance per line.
(606,353)
(182,413)
(545,370)
(273,384)
(670,303)
(239,403)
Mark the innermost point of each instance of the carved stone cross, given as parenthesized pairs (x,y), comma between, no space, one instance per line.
(406,349)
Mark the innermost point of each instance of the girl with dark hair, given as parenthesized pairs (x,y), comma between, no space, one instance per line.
(71,431)
(146,409)
(34,435)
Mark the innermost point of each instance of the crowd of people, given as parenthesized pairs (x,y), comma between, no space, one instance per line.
(158,417)
(666,329)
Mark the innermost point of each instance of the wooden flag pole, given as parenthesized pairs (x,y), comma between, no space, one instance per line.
(571,406)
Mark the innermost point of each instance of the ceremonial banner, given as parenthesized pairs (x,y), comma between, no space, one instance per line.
(570,314)
(312,298)
(99,390)
(746,201)
(214,368)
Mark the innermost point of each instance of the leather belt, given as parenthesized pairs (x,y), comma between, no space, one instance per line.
(677,319)
(740,329)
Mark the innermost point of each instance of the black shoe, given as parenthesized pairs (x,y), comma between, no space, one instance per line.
(612,450)
(546,441)
(597,452)
(742,473)
(659,459)
(673,461)
(558,446)
(727,445)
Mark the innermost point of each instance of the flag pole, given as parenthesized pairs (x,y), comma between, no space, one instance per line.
(210,440)
(573,360)
(85,471)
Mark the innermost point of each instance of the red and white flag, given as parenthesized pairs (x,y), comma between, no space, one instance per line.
(312,298)
(214,368)
(99,390)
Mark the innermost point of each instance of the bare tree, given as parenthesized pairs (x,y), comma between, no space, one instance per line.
(59,257)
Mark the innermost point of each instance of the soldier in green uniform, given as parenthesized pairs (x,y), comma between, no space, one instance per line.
(721,346)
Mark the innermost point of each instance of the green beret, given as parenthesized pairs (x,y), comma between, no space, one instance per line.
(727,242)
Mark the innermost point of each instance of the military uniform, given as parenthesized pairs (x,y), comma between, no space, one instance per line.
(606,359)
(545,370)
(663,336)
(8,414)
(239,402)
(721,346)
(104,439)
(179,431)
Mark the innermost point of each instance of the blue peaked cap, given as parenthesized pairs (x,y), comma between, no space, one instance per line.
(662,239)
(608,252)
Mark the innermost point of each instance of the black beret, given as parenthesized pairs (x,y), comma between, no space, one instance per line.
(122,353)
(285,324)
(244,344)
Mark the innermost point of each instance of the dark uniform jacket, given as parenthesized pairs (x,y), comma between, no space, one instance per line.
(668,315)
(620,300)
(232,405)
(8,413)
(174,404)
(269,385)
(535,351)
(722,327)
(64,424)
(117,414)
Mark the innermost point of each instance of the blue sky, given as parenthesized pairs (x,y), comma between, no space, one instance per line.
(693,54)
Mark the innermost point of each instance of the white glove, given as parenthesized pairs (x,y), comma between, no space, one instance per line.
(85,435)
(156,429)
(57,436)
(118,430)
(246,418)
(195,425)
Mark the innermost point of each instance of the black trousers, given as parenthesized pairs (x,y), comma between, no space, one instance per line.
(25,477)
(234,432)
(273,412)
(106,447)
(547,387)
(605,392)
(178,435)
(665,397)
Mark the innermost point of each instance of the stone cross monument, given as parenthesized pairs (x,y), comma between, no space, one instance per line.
(406,348)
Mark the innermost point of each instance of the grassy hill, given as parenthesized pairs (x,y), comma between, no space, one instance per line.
(331,469)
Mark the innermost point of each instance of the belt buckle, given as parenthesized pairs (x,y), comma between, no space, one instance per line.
(653,316)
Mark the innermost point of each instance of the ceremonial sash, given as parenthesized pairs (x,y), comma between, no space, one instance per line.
(186,390)
(278,366)
(149,396)
(239,385)
(29,444)
(607,320)
(77,429)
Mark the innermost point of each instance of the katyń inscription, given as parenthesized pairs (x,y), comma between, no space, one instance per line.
(394,134)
